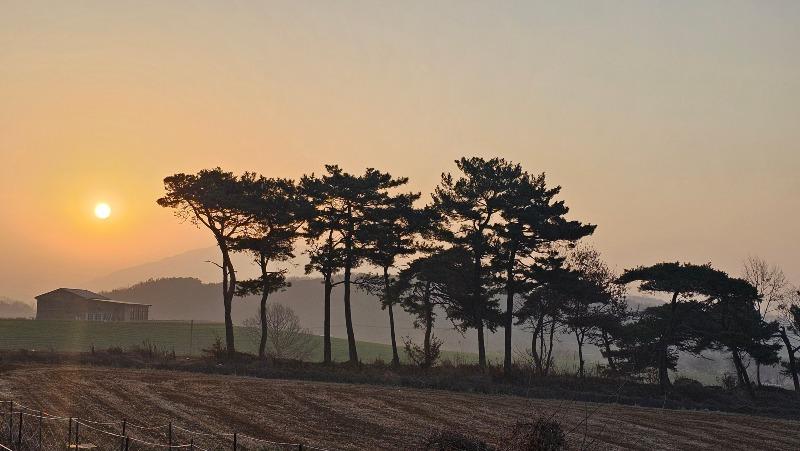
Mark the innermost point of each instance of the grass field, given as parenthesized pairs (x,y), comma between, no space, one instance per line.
(184,337)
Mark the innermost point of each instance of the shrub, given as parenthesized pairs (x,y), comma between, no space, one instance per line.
(728,381)
(417,354)
(544,434)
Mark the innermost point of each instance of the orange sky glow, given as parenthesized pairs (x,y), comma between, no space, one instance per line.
(671,125)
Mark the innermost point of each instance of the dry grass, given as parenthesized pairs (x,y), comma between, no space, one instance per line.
(351,416)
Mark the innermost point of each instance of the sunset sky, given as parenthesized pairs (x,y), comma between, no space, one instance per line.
(674,126)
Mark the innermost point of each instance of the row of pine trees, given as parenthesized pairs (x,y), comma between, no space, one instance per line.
(492,249)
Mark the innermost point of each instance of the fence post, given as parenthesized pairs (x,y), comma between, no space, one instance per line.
(69,434)
(127,442)
(77,439)
(191,444)
(10,422)
(19,432)
(124,436)
(169,440)
(235,441)
(41,414)
(300,447)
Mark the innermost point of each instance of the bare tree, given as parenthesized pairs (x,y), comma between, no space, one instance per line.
(287,339)
(772,287)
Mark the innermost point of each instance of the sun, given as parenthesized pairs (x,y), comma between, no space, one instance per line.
(102,210)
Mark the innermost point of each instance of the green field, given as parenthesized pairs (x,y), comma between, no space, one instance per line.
(184,337)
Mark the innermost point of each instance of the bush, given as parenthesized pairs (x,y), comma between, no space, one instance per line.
(544,434)
(417,354)
(728,381)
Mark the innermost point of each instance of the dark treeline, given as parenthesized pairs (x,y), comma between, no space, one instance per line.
(493,249)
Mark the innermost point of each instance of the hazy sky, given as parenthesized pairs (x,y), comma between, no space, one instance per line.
(674,125)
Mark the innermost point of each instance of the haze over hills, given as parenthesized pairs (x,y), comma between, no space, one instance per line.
(194,263)
(191,299)
(11,308)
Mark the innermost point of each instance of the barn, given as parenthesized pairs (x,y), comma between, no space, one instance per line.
(84,305)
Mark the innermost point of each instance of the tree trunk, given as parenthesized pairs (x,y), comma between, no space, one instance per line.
(509,306)
(549,361)
(792,361)
(477,290)
(348,318)
(663,373)
(326,354)
(481,347)
(758,374)
(580,354)
(607,345)
(395,355)
(262,345)
(228,290)
(741,372)
(426,344)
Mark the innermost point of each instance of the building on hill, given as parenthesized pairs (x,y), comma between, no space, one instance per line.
(84,305)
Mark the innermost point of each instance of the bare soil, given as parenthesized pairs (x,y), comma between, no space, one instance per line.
(347,416)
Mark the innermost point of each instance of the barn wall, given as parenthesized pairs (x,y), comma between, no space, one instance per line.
(63,306)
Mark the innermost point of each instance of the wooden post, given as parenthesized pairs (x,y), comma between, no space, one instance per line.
(77,438)
(169,440)
(300,447)
(124,436)
(19,432)
(41,414)
(235,441)
(127,442)
(191,336)
(10,422)
(69,434)
(191,444)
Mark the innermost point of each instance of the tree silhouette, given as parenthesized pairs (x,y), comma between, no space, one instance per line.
(735,324)
(533,224)
(772,288)
(279,211)
(344,203)
(470,206)
(643,346)
(388,234)
(433,280)
(789,331)
(682,282)
(216,200)
(589,297)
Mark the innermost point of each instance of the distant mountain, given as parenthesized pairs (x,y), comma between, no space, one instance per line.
(194,263)
(10,308)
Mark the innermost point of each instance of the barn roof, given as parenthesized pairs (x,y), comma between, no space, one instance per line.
(89,296)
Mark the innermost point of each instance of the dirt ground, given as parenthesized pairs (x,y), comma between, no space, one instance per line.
(344,416)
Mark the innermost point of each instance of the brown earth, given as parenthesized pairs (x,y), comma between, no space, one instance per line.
(343,416)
